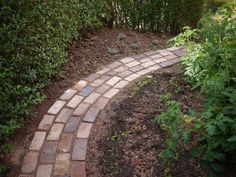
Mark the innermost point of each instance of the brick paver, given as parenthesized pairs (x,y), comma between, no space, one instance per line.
(59,146)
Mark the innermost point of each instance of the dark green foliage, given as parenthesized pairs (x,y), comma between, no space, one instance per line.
(34,36)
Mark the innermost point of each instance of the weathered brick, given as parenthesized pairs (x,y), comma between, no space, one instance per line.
(147,64)
(113,80)
(136,68)
(159,60)
(81,84)
(44,171)
(79,150)
(55,132)
(132,77)
(97,82)
(92,77)
(121,84)
(78,169)
(132,64)
(86,91)
(179,53)
(125,73)
(64,115)
(144,60)
(101,103)
(84,130)
(103,88)
(156,56)
(111,73)
(127,60)
(75,101)
(37,141)
(138,57)
(46,122)
(110,93)
(165,64)
(65,142)
(169,57)
(121,69)
(30,162)
(154,68)
(165,53)
(48,152)
(91,114)
(92,97)
(150,53)
(56,107)
(173,48)
(143,72)
(176,60)
(72,124)
(68,94)
(114,65)
(81,109)
(105,77)
(62,164)
(103,71)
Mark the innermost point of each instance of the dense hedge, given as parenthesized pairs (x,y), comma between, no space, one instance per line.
(34,36)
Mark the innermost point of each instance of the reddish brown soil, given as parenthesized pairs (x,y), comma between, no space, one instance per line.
(125,141)
(85,56)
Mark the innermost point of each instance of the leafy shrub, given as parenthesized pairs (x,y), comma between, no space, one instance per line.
(210,65)
(34,37)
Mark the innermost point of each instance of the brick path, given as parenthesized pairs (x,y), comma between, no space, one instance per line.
(58,148)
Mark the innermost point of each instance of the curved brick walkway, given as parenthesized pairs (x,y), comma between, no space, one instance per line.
(59,145)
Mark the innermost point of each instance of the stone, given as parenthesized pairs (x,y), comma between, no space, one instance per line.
(113,80)
(37,141)
(132,77)
(75,101)
(165,64)
(79,150)
(113,51)
(30,162)
(81,109)
(81,84)
(132,64)
(121,84)
(135,45)
(56,107)
(136,68)
(65,142)
(103,88)
(64,115)
(91,115)
(68,94)
(92,77)
(78,169)
(44,171)
(55,132)
(72,124)
(127,60)
(110,93)
(121,36)
(46,122)
(101,103)
(125,73)
(62,164)
(86,91)
(48,152)
(103,71)
(155,42)
(84,130)
(92,97)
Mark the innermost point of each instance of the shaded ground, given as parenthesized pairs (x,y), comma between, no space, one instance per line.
(126,143)
(85,56)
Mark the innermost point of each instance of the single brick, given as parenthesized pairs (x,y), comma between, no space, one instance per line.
(165,53)
(84,130)
(48,152)
(91,114)
(30,162)
(81,84)
(173,48)
(127,60)
(65,142)
(121,69)
(154,68)
(64,115)
(147,64)
(62,164)
(125,73)
(138,57)
(92,77)
(169,57)
(75,101)
(166,64)
(103,88)
(56,107)
(46,122)
(37,141)
(143,72)
(79,150)
(110,93)
(86,91)
(156,56)
(55,132)
(78,169)
(114,65)
(132,77)
(136,68)
(121,84)
(101,103)
(68,94)
(150,53)
(179,53)
(159,60)
(132,64)
(97,82)
(44,171)
(81,109)
(176,60)
(144,60)
(105,77)
(92,97)
(103,71)
(111,73)
(113,80)
(72,124)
